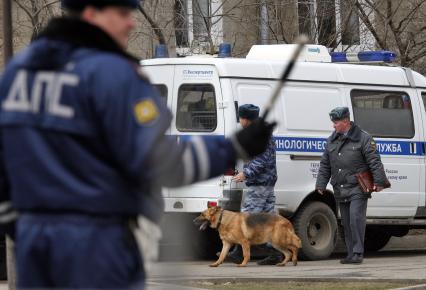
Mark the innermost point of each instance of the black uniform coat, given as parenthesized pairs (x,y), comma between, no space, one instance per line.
(345,156)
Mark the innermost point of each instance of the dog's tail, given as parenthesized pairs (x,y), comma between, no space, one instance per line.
(292,237)
(296,241)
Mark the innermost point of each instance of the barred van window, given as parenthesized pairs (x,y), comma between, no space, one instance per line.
(383,113)
(196,108)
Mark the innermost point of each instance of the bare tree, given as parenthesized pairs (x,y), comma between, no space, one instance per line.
(206,17)
(328,22)
(38,12)
(399,26)
(191,24)
(154,25)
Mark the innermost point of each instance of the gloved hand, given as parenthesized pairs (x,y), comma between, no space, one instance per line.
(253,140)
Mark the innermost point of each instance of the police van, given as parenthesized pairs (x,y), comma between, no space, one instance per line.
(385,100)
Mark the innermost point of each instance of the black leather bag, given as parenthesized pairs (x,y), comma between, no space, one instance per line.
(366,182)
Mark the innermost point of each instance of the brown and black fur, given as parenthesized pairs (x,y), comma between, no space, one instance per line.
(251,229)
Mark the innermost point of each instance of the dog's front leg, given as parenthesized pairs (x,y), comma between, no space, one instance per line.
(246,253)
(225,249)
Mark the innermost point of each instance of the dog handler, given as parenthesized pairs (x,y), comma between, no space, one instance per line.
(84,150)
(260,176)
(350,150)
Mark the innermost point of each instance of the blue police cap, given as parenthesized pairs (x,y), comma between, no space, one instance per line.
(339,113)
(248,111)
(79,5)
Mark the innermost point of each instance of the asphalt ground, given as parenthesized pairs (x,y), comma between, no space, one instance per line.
(402,260)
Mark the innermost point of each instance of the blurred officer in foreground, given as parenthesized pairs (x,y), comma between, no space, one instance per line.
(350,150)
(84,150)
(260,176)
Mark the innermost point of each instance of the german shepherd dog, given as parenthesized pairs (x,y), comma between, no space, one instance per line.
(251,229)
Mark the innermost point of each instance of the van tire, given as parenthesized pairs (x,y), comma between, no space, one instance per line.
(316,226)
(375,239)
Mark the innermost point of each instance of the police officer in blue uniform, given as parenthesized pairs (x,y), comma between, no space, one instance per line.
(260,173)
(84,151)
(260,176)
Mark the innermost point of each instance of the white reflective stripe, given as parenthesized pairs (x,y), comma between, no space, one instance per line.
(5,206)
(6,218)
(188,166)
(203,157)
(352,57)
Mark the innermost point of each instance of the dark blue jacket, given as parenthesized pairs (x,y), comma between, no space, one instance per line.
(84,131)
(262,170)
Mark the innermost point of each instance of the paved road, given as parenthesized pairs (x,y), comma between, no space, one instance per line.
(404,259)
(398,266)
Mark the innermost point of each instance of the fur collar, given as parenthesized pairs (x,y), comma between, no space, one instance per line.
(82,34)
(354,133)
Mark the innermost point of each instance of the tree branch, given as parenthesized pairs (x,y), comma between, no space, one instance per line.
(157,30)
(364,18)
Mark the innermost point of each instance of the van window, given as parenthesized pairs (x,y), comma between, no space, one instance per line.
(196,108)
(383,113)
(424,100)
(297,101)
(163,91)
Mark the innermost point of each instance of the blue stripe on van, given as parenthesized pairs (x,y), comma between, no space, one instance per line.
(317,145)
(188,137)
(312,145)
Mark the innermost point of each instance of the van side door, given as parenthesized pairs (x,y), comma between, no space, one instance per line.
(197,106)
(392,117)
(161,77)
(421,211)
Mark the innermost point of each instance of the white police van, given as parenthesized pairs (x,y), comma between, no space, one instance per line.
(386,101)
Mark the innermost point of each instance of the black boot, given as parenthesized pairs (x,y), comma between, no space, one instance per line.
(346,259)
(236,255)
(356,259)
(271,260)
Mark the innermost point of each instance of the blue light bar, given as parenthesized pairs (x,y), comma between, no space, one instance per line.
(364,56)
(224,50)
(161,51)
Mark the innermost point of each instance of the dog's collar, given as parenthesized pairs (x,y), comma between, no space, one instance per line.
(220,219)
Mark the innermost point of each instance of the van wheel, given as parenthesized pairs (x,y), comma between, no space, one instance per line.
(375,239)
(316,226)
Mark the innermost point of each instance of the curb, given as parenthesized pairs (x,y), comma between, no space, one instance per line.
(414,287)
(165,286)
(289,279)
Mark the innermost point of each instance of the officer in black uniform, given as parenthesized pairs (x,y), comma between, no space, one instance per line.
(83,150)
(350,150)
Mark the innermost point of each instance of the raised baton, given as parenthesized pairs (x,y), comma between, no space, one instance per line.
(300,41)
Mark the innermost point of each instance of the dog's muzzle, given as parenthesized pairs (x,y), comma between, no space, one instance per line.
(203,223)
